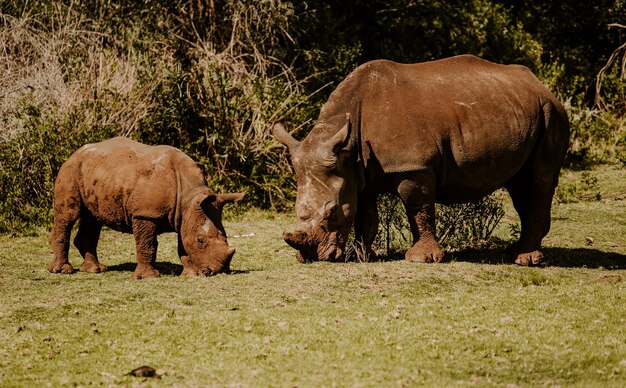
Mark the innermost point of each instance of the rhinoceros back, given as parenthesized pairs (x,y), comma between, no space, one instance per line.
(119,179)
(472,122)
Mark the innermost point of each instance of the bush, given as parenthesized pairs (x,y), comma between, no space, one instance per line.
(457,226)
(62,90)
(72,80)
(597,136)
(587,189)
(212,77)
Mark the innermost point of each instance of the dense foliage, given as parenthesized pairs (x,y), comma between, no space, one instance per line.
(211,76)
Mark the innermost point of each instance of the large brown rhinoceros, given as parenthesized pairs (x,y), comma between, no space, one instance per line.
(144,190)
(447,131)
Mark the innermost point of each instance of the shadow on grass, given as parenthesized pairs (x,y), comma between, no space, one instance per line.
(163,268)
(555,257)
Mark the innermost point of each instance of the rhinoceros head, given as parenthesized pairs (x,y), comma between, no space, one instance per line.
(203,236)
(326,193)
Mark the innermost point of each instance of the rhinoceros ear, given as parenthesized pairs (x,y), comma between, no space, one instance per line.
(230,197)
(280,133)
(341,138)
(223,199)
(219,200)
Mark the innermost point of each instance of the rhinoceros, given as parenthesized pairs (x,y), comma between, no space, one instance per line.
(447,131)
(144,190)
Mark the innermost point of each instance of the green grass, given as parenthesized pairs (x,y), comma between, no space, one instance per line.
(473,320)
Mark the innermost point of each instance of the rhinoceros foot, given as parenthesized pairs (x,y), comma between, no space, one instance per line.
(530,258)
(58,266)
(92,267)
(523,255)
(145,272)
(424,253)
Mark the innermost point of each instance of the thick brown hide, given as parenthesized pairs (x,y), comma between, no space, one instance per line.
(447,131)
(144,190)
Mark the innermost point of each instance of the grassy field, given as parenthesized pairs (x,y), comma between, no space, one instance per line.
(473,320)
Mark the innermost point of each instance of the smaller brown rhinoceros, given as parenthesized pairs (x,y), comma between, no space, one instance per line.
(144,190)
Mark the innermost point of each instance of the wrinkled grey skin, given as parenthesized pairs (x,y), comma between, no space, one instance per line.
(447,131)
(144,190)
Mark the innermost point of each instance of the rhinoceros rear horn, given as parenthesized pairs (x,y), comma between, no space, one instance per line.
(280,133)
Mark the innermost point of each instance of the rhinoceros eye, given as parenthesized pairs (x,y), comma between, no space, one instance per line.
(201,241)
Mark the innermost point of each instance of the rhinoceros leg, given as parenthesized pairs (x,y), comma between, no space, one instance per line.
(532,194)
(189,269)
(532,189)
(67,205)
(366,223)
(60,242)
(145,232)
(86,241)
(532,200)
(418,195)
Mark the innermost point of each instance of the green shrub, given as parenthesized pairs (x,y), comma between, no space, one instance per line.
(62,90)
(212,77)
(469,224)
(73,80)
(29,163)
(587,189)
(457,226)
(597,136)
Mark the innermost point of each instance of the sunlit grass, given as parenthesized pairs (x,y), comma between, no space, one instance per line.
(274,322)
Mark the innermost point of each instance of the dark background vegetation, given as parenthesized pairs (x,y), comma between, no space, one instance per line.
(211,76)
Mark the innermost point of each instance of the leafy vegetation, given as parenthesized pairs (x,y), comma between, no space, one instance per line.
(210,77)
(473,320)
(459,226)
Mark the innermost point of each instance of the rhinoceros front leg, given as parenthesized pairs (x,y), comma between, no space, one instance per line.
(189,269)
(86,241)
(418,195)
(145,232)
(366,224)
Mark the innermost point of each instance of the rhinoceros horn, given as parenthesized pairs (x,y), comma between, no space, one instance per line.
(297,239)
(280,133)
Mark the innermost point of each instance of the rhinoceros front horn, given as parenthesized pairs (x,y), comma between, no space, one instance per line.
(280,133)
(296,239)
(301,242)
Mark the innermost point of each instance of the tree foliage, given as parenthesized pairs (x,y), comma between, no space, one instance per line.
(211,76)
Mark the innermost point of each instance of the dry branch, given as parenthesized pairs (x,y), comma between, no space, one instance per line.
(614,58)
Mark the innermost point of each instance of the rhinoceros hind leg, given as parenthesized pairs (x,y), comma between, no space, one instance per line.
(532,204)
(66,212)
(531,190)
(530,258)
(86,241)
(92,267)
(418,195)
